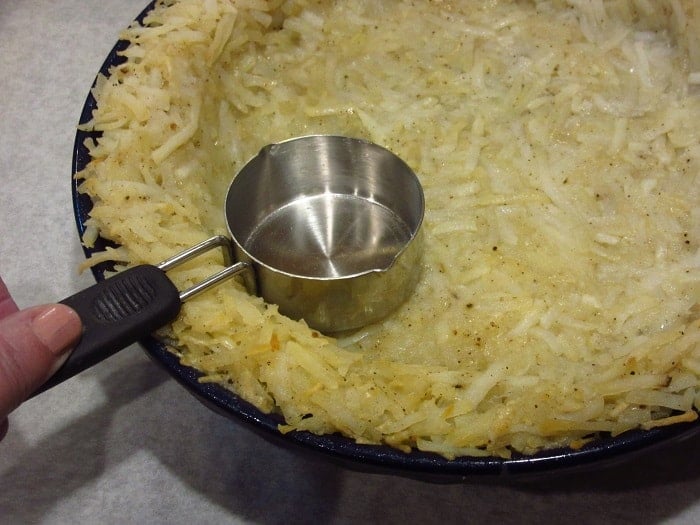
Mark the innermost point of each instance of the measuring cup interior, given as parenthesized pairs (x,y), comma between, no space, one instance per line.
(324,207)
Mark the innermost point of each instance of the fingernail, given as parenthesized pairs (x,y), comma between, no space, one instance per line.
(58,328)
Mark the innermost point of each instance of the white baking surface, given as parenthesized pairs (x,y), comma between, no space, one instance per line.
(123,443)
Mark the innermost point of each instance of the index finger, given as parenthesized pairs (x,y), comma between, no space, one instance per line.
(7,304)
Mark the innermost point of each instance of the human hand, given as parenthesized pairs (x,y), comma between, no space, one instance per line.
(34,343)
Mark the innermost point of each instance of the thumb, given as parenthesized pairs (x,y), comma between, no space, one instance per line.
(34,343)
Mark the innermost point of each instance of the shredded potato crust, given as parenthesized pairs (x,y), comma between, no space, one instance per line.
(559,148)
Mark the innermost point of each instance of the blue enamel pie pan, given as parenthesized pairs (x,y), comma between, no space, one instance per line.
(369,458)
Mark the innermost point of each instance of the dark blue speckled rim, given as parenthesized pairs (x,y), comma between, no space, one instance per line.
(366,458)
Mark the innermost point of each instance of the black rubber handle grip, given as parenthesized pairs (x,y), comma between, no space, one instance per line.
(117,312)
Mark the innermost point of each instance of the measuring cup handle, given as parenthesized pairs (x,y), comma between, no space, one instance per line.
(115,313)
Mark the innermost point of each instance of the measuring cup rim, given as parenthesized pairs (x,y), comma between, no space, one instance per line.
(415,231)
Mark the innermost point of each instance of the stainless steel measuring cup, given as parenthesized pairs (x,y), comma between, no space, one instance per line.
(330,226)
(326,227)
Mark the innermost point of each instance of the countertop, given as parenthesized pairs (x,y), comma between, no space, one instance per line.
(124,443)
